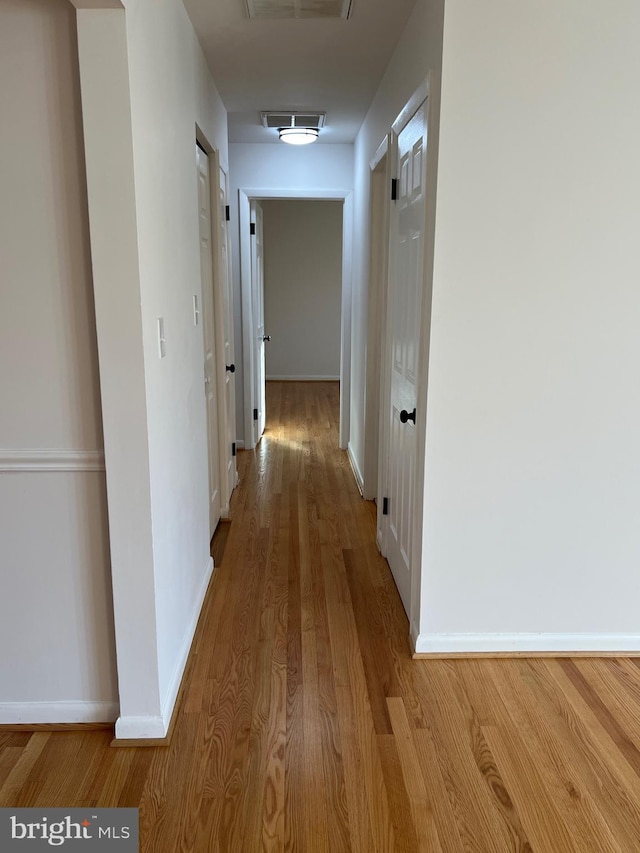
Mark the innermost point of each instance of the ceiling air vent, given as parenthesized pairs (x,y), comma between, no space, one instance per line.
(299,8)
(280,118)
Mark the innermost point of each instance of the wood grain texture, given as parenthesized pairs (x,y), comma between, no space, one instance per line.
(304,725)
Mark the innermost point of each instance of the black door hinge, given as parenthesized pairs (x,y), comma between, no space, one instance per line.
(385,506)
(233,448)
(255,414)
(394,189)
(252,229)
(227,213)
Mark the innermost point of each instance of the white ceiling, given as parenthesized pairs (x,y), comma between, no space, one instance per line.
(328,65)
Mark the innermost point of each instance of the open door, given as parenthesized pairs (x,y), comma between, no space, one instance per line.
(257,304)
(404,310)
(208,331)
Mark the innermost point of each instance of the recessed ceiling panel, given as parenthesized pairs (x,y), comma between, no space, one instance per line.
(299,8)
(282,118)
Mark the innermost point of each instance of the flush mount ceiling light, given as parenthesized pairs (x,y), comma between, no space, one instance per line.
(297,127)
(298,135)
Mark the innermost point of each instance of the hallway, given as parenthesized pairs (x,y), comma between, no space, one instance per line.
(305,726)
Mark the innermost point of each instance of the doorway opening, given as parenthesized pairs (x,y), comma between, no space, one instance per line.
(254,333)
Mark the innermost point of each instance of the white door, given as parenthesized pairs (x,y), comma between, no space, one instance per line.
(208,331)
(226,335)
(260,338)
(403,315)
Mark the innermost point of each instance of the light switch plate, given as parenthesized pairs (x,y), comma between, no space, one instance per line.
(162,344)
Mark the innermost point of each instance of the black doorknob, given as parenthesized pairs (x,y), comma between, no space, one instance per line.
(231,368)
(407,416)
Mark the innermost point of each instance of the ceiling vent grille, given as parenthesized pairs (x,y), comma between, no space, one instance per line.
(280,118)
(299,8)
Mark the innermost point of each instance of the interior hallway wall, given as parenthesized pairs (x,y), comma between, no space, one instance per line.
(57,648)
(145,90)
(533,460)
(302,288)
(172,91)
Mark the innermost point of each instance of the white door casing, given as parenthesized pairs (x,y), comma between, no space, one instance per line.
(404,311)
(209,337)
(376,327)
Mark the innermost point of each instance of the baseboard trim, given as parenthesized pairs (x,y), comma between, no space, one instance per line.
(239,446)
(46,461)
(356,470)
(303,379)
(55,727)
(32,714)
(525,645)
(380,543)
(156,731)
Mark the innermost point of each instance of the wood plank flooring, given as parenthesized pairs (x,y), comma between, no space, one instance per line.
(306,727)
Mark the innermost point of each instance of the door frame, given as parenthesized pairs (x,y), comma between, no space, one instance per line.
(215,164)
(245,196)
(418,561)
(226,451)
(259,364)
(378,279)
(204,311)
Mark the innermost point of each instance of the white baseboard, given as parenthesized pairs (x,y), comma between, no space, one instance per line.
(25,713)
(303,378)
(356,470)
(51,460)
(239,446)
(461,644)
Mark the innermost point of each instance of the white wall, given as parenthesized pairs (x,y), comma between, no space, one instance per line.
(418,54)
(145,87)
(168,98)
(57,652)
(533,459)
(278,167)
(302,288)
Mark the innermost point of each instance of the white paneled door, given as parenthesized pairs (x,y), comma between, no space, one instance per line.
(208,331)
(403,317)
(225,332)
(257,298)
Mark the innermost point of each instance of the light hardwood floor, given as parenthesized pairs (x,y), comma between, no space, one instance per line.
(306,727)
